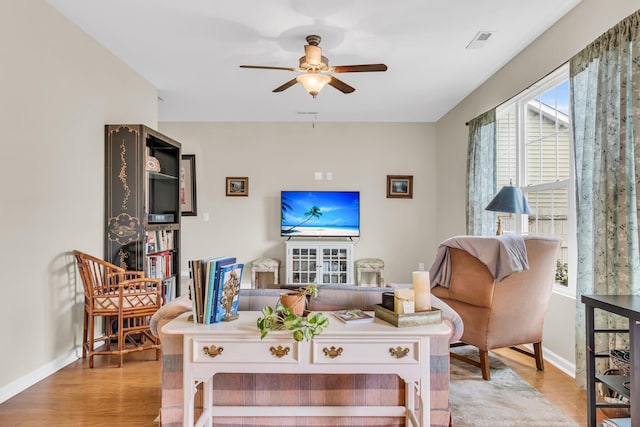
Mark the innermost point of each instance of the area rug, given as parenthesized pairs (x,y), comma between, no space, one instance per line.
(505,401)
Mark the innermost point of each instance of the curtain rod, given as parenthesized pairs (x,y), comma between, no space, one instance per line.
(528,87)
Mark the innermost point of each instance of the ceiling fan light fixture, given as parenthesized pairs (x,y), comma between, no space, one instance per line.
(313,66)
(313,82)
(313,55)
(322,64)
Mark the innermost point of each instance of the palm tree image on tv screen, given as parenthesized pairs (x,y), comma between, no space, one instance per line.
(320,213)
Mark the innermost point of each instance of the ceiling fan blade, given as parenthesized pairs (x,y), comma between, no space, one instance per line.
(340,85)
(285,86)
(264,67)
(359,68)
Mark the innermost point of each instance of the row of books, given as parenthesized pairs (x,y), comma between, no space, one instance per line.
(159,240)
(160,265)
(169,288)
(214,288)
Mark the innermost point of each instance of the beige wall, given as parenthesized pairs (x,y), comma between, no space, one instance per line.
(59,88)
(556,46)
(284,156)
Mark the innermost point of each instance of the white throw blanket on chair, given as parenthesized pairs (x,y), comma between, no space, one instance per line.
(503,255)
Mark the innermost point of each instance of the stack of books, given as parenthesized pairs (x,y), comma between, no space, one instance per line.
(214,288)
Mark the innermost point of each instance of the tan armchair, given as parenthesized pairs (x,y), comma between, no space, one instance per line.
(502,314)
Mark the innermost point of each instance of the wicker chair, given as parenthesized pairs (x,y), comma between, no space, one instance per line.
(118,295)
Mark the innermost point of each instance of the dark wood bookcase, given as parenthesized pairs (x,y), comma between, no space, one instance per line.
(142,206)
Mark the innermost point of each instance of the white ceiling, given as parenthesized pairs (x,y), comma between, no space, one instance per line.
(191,49)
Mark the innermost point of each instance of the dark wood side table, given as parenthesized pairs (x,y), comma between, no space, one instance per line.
(627,306)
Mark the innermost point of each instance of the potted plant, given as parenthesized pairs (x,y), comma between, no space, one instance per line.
(284,318)
(296,300)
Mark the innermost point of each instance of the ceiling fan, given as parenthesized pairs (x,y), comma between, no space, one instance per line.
(314,66)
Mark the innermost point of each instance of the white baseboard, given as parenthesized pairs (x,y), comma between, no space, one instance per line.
(559,362)
(21,384)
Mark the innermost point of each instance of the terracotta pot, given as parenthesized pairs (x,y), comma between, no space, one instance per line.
(294,301)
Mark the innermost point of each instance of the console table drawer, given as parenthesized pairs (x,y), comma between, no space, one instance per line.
(366,352)
(232,351)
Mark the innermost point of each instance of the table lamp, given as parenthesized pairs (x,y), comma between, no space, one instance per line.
(510,200)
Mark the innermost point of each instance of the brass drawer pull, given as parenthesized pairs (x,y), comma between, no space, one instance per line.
(279,352)
(213,351)
(332,352)
(399,352)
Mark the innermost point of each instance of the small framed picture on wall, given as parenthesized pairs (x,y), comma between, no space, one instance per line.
(237,186)
(400,186)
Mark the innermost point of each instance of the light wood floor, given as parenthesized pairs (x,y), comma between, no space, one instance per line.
(556,386)
(130,396)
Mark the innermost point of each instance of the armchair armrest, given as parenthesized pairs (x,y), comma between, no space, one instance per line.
(132,274)
(141,285)
(114,277)
(143,291)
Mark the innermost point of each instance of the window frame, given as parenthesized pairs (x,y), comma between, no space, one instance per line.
(519,104)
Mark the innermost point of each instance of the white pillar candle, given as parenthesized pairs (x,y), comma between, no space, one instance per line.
(422,290)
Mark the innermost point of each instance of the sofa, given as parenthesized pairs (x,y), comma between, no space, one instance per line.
(304,389)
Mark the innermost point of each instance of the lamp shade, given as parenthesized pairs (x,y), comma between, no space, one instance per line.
(313,82)
(510,200)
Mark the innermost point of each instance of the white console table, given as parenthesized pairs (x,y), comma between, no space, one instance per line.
(375,347)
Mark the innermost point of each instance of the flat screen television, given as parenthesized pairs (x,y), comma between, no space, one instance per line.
(320,213)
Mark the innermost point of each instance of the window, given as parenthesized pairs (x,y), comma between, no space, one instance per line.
(534,152)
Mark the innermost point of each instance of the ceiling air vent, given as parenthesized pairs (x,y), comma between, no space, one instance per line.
(479,40)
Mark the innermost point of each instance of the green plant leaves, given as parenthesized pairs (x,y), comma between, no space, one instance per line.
(282,318)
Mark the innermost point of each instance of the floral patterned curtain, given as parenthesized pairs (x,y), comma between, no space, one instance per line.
(605,108)
(481,174)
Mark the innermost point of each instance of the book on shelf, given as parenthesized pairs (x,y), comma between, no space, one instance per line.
(159,241)
(616,422)
(169,288)
(353,315)
(151,242)
(160,265)
(226,298)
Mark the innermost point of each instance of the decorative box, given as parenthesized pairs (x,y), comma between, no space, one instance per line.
(388,300)
(411,319)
